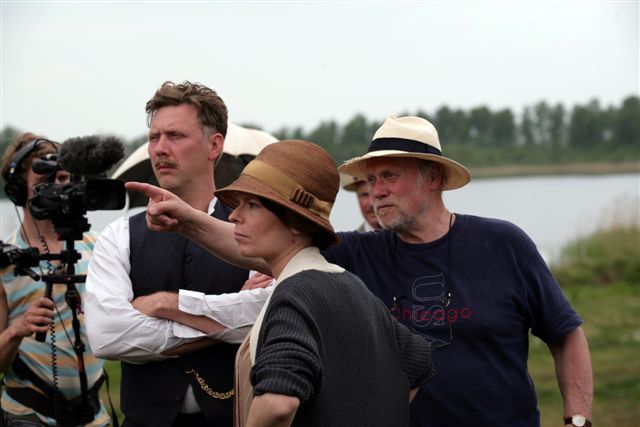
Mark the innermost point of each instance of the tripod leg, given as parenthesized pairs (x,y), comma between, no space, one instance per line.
(73,301)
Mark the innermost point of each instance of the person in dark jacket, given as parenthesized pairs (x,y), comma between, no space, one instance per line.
(365,202)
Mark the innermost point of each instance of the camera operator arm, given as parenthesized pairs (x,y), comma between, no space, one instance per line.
(5,352)
(36,319)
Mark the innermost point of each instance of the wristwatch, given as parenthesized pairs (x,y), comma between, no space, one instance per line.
(578,421)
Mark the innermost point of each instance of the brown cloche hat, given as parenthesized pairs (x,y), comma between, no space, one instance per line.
(298,175)
(409,137)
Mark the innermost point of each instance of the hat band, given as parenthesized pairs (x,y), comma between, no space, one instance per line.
(401,144)
(287,187)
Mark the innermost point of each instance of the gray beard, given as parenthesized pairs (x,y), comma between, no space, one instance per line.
(403,223)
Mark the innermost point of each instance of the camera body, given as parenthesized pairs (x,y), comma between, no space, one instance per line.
(66,204)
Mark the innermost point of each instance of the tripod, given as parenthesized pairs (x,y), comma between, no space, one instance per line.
(68,258)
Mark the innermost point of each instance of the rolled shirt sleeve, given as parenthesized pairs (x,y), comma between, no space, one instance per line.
(237,312)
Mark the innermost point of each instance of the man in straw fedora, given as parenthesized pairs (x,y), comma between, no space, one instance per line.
(472,286)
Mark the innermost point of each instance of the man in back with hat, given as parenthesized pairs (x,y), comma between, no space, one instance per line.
(473,287)
(365,202)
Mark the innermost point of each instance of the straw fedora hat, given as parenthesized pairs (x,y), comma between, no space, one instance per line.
(298,175)
(409,137)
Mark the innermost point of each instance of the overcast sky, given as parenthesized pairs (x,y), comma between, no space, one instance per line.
(76,68)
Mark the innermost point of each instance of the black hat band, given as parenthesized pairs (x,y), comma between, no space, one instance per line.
(401,144)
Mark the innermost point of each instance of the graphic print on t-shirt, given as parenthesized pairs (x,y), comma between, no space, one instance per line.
(425,311)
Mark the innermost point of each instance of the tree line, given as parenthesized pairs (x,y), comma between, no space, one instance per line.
(541,134)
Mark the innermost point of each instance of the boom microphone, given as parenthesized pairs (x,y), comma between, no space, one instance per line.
(90,155)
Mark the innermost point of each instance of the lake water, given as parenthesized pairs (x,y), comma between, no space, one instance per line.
(552,209)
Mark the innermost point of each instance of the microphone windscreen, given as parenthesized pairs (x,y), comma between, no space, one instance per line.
(90,155)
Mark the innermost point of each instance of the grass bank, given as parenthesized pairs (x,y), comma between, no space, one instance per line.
(611,317)
(600,275)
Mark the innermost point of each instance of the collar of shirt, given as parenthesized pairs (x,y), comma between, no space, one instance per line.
(307,259)
(212,205)
(368,227)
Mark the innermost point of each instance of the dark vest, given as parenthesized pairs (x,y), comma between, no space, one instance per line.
(151,394)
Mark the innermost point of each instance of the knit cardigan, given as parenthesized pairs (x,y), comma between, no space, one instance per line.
(327,340)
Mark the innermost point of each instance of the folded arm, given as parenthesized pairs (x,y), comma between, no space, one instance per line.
(165,305)
(224,317)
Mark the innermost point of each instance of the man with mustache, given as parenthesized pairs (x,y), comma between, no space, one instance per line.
(473,287)
(187,127)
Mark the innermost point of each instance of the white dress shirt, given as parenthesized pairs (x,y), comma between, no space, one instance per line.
(367,226)
(237,312)
(116,330)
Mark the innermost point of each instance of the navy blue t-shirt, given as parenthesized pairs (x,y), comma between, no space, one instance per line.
(499,287)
